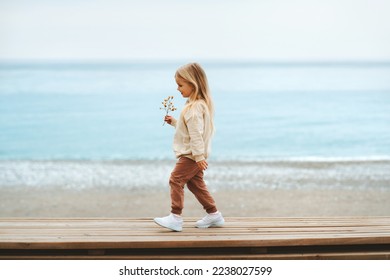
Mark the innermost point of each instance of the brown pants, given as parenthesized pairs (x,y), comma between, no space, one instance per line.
(187,172)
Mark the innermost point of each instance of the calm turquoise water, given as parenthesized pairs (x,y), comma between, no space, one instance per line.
(263,111)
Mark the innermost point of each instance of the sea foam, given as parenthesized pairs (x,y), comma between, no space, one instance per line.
(154,175)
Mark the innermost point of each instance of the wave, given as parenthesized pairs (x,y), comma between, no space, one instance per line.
(154,175)
(373,158)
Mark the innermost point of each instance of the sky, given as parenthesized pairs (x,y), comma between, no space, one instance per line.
(263,30)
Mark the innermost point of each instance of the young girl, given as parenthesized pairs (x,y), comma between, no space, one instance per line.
(191,145)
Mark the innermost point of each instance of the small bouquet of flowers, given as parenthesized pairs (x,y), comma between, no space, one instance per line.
(168,106)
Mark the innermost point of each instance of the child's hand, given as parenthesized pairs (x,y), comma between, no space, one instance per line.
(202,164)
(169,119)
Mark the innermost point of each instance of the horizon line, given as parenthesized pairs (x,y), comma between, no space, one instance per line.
(254,62)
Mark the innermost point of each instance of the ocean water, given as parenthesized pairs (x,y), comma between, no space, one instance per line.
(56,116)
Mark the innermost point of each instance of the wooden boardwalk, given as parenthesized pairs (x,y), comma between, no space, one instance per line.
(240,238)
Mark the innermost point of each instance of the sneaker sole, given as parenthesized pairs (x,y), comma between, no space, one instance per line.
(173,229)
(220,224)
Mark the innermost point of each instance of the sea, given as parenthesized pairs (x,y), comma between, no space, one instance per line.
(99,124)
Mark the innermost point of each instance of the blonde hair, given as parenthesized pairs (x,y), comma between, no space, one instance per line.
(194,74)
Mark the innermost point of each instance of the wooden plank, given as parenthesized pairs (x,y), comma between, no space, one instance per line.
(337,252)
(98,235)
(190,231)
(344,256)
(325,256)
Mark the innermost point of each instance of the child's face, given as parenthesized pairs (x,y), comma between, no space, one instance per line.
(184,87)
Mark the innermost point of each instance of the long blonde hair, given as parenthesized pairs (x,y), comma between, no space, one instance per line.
(194,74)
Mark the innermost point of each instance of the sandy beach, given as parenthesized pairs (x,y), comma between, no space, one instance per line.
(234,203)
(140,189)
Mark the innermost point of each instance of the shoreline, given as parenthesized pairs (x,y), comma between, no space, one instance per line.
(140,188)
(154,175)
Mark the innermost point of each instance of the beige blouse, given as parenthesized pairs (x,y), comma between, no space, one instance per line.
(193,132)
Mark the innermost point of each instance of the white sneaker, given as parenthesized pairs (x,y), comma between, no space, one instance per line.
(211,220)
(172,222)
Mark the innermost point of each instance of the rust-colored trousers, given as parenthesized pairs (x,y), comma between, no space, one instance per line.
(187,172)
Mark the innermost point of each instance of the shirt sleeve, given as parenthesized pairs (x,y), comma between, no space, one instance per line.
(174,122)
(194,119)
